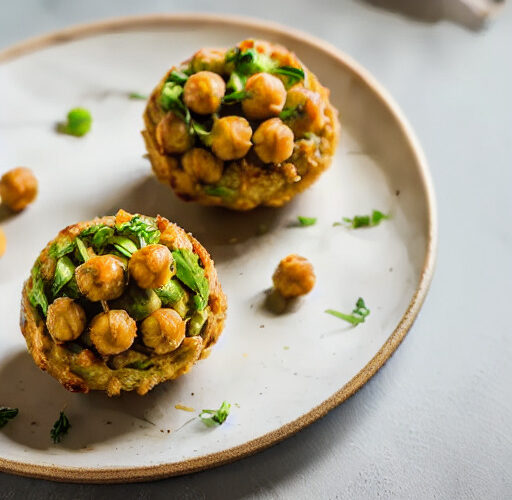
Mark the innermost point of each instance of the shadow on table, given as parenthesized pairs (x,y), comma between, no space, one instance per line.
(433,11)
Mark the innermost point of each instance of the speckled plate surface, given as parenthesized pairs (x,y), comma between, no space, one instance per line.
(280,373)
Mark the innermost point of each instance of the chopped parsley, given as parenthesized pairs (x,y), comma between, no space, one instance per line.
(136,95)
(289,113)
(171,99)
(306,221)
(36,295)
(78,123)
(60,428)
(357,221)
(64,272)
(212,418)
(295,75)
(7,414)
(358,315)
(192,274)
(146,232)
(61,248)
(82,249)
(234,97)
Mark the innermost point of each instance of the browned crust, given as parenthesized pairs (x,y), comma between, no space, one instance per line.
(60,363)
(256,185)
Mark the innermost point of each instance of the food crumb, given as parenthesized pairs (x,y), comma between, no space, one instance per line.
(161,430)
(33,423)
(108,422)
(184,408)
(390,269)
(262,326)
(168,431)
(191,393)
(397,192)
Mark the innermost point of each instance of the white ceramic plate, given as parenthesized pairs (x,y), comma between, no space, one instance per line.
(279,372)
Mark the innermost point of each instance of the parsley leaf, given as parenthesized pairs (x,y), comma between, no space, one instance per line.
(289,113)
(36,295)
(146,232)
(7,414)
(366,220)
(125,246)
(60,428)
(212,418)
(191,273)
(61,248)
(220,191)
(234,97)
(171,100)
(358,315)
(178,77)
(141,365)
(78,124)
(82,249)
(295,75)
(136,95)
(64,272)
(306,221)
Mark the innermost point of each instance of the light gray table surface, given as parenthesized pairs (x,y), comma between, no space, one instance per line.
(436,421)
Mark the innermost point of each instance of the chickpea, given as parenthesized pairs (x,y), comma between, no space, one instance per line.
(231,137)
(150,266)
(164,331)
(101,278)
(266,98)
(18,188)
(294,276)
(172,135)
(309,104)
(65,320)
(123,216)
(209,59)
(203,92)
(3,242)
(273,141)
(112,332)
(202,165)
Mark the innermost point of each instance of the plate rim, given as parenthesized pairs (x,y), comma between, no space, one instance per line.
(147,473)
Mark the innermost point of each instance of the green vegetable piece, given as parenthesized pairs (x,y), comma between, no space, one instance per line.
(36,295)
(171,99)
(197,322)
(191,274)
(295,75)
(249,61)
(141,365)
(377,217)
(204,135)
(101,238)
(236,82)
(220,191)
(61,248)
(7,414)
(178,77)
(170,293)
(60,428)
(212,418)
(289,113)
(78,124)
(366,220)
(138,303)
(306,221)
(146,232)
(123,245)
(235,97)
(358,315)
(71,289)
(136,95)
(64,272)
(82,250)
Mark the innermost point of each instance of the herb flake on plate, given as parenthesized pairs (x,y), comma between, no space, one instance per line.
(212,418)
(358,315)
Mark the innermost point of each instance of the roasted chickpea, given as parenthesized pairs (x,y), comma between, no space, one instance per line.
(112,332)
(172,135)
(273,141)
(3,242)
(18,188)
(266,96)
(123,216)
(310,115)
(65,320)
(294,276)
(203,92)
(231,137)
(209,59)
(102,277)
(202,165)
(150,266)
(164,331)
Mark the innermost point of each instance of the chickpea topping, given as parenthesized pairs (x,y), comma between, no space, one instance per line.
(112,332)
(65,320)
(209,59)
(203,92)
(163,330)
(294,276)
(150,266)
(3,242)
(101,278)
(231,137)
(273,141)
(311,116)
(202,165)
(172,135)
(123,216)
(18,188)
(266,98)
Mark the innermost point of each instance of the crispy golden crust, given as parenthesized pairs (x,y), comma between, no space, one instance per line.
(255,183)
(83,371)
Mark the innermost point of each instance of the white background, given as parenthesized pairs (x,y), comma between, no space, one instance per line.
(436,421)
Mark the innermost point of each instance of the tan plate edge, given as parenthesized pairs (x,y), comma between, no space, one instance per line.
(117,475)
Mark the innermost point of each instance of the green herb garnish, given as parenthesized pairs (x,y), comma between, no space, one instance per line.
(212,418)
(358,315)
(178,77)
(146,232)
(7,414)
(36,295)
(125,246)
(136,95)
(306,221)
(78,124)
(295,75)
(60,428)
(365,220)
(235,97)
(192,274)
(61,248)
(82,249)
(289,113)
(249,61)
(220,191)
(64,271)
(171,100)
